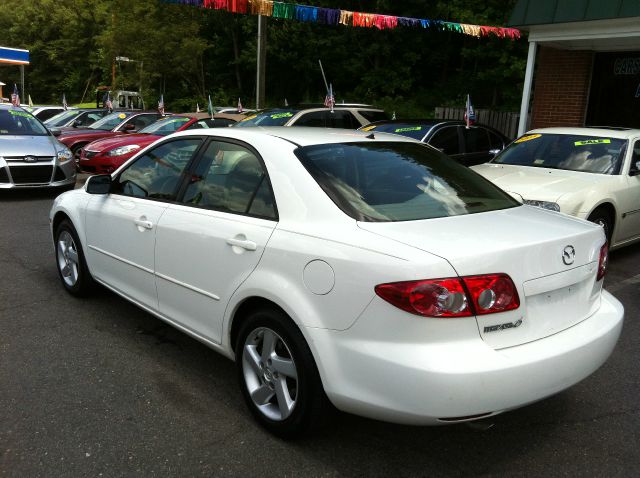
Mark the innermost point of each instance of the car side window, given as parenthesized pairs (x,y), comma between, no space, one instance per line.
(231,178)
(496,141)
(342,119)
(446,140)
(158,173)
(476,140)
(635,156)
(314,119)
(142,121)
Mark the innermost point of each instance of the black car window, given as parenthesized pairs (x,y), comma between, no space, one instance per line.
(476,140)
(342,119)
(316,119)
(446,140)
(372,116)
(496,141)
(46,114)
(231,178)
(157,174)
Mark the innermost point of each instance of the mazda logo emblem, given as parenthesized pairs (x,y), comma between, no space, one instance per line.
(568,255)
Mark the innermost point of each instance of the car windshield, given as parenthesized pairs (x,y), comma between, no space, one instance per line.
(166,126)
(267,118)
(589,154)
(398,181)
(63,118)
(18,122)
(411,130)
(110,121)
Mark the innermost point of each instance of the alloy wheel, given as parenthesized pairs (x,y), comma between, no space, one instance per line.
(68,260)
(270,373)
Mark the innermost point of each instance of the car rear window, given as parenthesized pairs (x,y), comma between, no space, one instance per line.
(398,181)
(19,122)
(589,154)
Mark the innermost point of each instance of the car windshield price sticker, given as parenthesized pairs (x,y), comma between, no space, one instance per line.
(19,113)
(413,128)
(592,141)
(281,115)
(249,117)
(527,138)
(122,116)
(368,128)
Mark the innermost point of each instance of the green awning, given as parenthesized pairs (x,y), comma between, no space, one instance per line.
(545,12)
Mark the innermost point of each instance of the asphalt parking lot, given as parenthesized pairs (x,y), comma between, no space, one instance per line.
(97,387)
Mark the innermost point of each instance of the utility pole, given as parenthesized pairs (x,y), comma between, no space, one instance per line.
(261,61)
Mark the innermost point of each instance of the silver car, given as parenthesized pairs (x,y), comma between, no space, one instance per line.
(30,156)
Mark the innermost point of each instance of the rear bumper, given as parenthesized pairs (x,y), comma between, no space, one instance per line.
(431,383)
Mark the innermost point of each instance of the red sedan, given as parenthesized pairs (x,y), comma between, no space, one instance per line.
(114,124)
(106,155)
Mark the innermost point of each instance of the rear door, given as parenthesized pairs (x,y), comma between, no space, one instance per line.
(209,242)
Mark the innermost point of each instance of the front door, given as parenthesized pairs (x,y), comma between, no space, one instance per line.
(207,245)
(121,226)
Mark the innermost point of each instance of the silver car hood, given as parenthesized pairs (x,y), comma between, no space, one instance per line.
(19,145)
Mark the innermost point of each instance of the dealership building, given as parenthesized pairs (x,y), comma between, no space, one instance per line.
(583,66)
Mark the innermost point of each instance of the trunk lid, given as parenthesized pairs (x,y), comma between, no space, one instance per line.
(528,244)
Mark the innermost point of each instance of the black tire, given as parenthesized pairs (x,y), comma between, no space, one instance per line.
(75,150)
(305,390)
(603,217)
(70,261)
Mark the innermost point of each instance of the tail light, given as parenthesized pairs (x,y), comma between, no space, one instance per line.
(603,263)
(453,297)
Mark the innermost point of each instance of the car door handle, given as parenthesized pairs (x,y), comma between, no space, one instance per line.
(243,243)
(143,222)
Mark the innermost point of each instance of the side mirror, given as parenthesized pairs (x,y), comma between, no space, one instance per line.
(635,169)
(77,123)
(129,127)
(494,152)
(99,184)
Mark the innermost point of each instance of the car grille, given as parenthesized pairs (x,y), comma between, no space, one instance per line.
(31,174)
(39,159)
(89,154)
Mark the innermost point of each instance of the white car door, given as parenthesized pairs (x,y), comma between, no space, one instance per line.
(121,225)
(629,198)
(210,243)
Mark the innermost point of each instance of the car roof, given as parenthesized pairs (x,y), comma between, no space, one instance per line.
(614,132)
(301,136)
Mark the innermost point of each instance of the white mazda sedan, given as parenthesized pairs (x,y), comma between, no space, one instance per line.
(366,270)
(590,173)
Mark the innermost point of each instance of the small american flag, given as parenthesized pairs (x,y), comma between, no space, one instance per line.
(15,96)
(239,106)
(330,100)
(64,102)
(107,102)
(161,105)
(469,113)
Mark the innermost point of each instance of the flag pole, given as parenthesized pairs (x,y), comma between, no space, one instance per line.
(326,85)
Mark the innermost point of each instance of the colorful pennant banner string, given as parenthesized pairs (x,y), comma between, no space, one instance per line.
(331,16)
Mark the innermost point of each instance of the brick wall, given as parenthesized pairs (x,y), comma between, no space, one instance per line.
(561,87)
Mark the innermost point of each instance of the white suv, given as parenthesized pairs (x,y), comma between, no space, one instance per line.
(342,116)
